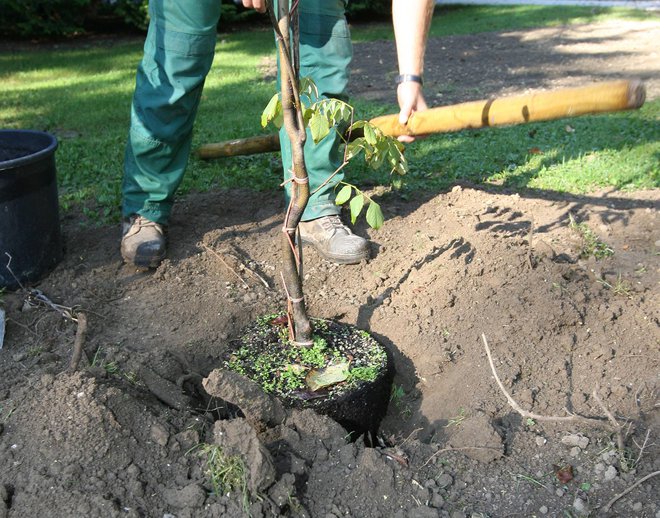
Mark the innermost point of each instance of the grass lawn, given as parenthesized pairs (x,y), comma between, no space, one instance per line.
(82,93)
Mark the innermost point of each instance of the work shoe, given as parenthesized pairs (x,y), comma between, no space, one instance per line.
(143,242)
(334,240)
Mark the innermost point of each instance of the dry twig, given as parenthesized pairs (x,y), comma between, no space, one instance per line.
(642,447)
(78,343)
(218,256)
(609,504)
(410,435)
(617,428)
(524,413)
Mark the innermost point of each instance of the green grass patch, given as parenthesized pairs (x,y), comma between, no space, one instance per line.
(591,243)
(82,93)
(225,473)
(577,155)
(450,20)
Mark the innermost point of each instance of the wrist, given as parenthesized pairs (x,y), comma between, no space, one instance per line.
(409,78)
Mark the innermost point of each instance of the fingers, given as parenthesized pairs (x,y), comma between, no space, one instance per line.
(258,5)
(411,100)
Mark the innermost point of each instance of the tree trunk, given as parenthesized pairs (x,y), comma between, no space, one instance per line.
(295,129)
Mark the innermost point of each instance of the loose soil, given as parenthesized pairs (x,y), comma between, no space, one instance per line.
(118,437)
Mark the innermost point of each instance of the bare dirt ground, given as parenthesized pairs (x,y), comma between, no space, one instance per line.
(117,437)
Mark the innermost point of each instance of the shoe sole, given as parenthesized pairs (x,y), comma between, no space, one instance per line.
(148,262)
(144,262)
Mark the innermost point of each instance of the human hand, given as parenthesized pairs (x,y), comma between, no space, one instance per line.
(411,100)
(258,5)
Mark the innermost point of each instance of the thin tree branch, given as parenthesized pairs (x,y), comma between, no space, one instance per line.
(609,504)
(525,413)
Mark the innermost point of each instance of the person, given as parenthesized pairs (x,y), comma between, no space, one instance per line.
(178,52)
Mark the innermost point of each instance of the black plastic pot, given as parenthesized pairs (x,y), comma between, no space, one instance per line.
(359,408)
(29,212)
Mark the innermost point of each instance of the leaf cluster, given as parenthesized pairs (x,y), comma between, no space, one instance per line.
(374,214)
(322,116)
(379,149)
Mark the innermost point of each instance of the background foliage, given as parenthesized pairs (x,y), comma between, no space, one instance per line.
(62,18)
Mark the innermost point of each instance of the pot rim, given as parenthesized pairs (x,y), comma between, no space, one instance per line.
(32,157)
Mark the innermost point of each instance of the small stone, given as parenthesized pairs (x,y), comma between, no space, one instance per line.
(579,505)
(599,468)
(575,440)
(543,510)
(575,451)
(19,357)
(445,480)
(608,457)
(159,434)
(559,492)
(610,473)
(637,506)
(458,188)
(437,501)
(540,441)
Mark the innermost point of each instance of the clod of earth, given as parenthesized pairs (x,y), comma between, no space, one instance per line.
(260,409)
(237,437)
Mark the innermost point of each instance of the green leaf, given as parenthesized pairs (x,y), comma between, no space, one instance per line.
(356,207)
(331,375)
(319,127)
(343,195)
(271,110)
(353,149)
(308,87)
(370,134)
(375,215)
(307,115)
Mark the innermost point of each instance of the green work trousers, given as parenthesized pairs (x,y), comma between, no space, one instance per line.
(178,53)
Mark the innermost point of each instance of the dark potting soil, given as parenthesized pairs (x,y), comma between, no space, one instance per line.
(345,374)
(304,376)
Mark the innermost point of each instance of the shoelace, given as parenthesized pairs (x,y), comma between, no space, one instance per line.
(333,223)
(141,222)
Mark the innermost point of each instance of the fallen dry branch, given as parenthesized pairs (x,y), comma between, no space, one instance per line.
(609,504)
(79,342)
(537,417)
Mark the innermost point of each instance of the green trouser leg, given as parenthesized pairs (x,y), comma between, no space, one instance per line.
(178,53)
(325,55)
